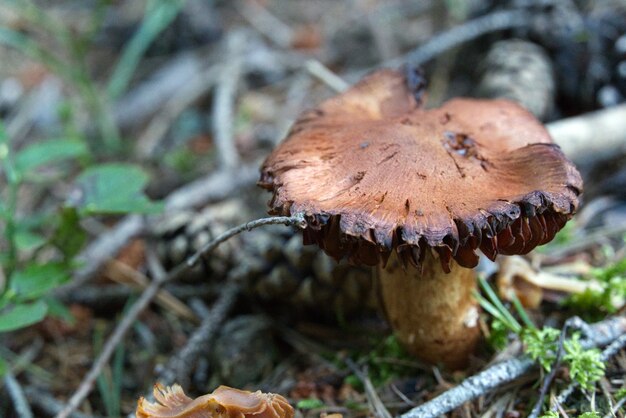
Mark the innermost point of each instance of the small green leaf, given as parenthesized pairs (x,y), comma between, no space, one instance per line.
(36,280)
(58,310)
(113,188)
(48,152)
(585,365)
(311,403)
(69,236)
(26,240)
(4,367)
(23,315)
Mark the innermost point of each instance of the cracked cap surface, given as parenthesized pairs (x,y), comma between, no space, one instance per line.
(373,172)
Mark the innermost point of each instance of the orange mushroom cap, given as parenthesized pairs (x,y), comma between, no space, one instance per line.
(224,402)
(373,171)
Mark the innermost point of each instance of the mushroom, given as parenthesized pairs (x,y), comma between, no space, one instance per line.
(385,182)
(224,402)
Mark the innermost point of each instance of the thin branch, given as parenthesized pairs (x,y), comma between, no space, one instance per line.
(332,80)
(372,397)
(616,408)
(48,403)
(22,408)
(265,22)
(179,366)
(601,333)
(149,294)
(224,101)
(442,42)
(87,384)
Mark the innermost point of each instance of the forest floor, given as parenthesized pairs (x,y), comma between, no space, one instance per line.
(131,136)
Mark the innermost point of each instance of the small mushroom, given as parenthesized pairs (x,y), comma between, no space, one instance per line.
(224,402)
(516,276)
(384,182)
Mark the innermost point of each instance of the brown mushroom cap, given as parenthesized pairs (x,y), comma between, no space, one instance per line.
(372,171)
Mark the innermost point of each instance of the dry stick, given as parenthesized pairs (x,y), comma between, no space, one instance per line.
(48,403)
(86,386)
(578,135)
(22,408)
(150,95)
(372,397)
(178,367)
(616,408)
(601,333)
(607,353)
(196,88)
(332,80)
(265,22)
(466,32)
(224,100)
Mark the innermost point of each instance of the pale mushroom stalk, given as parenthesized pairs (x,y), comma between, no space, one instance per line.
(433,313)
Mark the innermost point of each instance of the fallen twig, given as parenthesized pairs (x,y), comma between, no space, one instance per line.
(224,100)
(332,80)
(599,334)
(192,91)
(372,397)
(179,366)
(265,22)
(22,408)
(466,32)
(148,295)
(148,97)
(578,136)
(46,402)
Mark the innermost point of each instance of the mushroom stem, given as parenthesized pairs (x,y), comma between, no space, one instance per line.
(433,314)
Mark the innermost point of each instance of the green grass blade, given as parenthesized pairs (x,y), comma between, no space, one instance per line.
(156,19)
(495,300)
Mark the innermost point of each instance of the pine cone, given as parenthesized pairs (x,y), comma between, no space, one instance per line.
(520,71)
(283,275)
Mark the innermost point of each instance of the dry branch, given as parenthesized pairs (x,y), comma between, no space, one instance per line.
(600,334)
(466,32)
(592,136)
(224,100)
(22,408)
(179,366)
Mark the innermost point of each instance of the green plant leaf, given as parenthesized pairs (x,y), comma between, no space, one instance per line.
(69,236)
(111,189)
(35,280)
(26,240)
(311,403)
(3,367)
(22,315)
(159,14)
(48,152)
(57,309)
